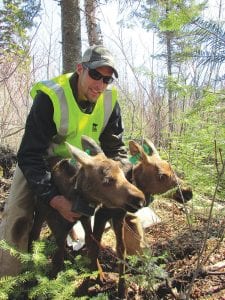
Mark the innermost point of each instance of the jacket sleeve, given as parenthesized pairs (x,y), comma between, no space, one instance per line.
(111,139)
(39,130)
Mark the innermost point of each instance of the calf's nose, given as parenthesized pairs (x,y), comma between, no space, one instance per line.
(138,202)
(134,203)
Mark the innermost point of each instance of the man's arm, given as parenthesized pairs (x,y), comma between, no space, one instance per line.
(111,139)
(112,143)
(39,130)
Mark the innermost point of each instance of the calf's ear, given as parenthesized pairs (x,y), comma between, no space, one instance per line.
(79,155)
(137,151)
(90,146)
(150,148)
(134,148)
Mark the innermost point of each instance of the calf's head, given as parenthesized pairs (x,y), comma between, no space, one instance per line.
(154,175)
(99,178)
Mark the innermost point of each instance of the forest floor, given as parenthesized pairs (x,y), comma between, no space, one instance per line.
(192,251)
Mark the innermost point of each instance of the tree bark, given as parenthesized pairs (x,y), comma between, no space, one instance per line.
(169,73)
(93,28)
(71,34)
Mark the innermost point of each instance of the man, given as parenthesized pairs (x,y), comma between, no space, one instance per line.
(64,108)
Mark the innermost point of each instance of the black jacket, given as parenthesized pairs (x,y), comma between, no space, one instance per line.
(39,130)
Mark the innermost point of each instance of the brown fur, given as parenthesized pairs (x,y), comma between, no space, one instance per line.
(101,181)
(133,235)
(152,175)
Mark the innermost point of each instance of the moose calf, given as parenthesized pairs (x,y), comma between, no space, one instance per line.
(100,180)
(152,175)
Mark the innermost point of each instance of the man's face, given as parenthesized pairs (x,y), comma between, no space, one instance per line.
(89,88)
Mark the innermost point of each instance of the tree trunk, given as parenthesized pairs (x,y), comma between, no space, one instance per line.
(71,34)
(93,28)
(169,73)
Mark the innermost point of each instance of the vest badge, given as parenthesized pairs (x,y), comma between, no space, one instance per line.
(94,127)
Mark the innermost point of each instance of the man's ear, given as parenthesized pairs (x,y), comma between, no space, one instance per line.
(79,68)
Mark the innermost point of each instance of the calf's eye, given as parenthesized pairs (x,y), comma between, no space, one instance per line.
(162,177)
(108,181)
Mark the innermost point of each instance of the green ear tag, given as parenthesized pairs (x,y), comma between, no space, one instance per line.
(146,149)
(73,161)
(134,159)
(88,151)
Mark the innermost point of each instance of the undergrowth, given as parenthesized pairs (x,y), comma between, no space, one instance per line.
(35,283)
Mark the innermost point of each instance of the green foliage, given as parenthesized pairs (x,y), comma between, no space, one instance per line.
(182,90)
(199,147)
(171,21)
(34,282)
(16,16)
(23,257)
(211,35)
(177,18)
(10,287)
(164,16)
(148,270)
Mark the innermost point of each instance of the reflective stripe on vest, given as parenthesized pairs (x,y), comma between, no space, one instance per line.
(63,127)
(70,122)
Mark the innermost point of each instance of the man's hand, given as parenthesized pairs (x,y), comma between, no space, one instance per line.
(63,206)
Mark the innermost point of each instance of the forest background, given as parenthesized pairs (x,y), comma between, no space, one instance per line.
(170,56)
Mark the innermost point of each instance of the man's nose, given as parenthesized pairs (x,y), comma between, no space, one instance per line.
(100,84)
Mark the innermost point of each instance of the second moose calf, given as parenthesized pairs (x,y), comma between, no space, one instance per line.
(152,175)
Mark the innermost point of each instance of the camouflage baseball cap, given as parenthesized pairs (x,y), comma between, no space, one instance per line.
(98,56)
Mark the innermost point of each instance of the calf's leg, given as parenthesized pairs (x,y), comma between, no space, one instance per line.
(118,226)
(39,219)
(102,216)
(60,229)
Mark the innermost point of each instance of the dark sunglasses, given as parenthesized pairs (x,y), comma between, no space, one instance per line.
(94,74)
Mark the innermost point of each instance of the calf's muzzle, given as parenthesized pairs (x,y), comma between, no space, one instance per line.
(135,202)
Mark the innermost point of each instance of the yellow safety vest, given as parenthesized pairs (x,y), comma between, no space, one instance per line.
(71,123)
